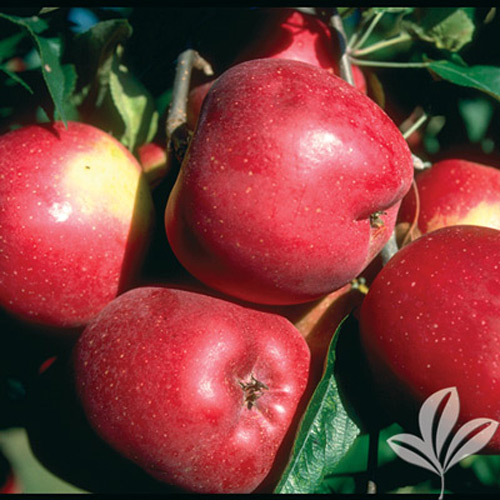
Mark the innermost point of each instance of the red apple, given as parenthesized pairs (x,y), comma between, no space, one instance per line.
(431,320)
(152,157)
(317,321)
(75,219)
(453,192)
(287,34)
(62,440)
(291,34)
(195,100)
(290,186)
(213,389)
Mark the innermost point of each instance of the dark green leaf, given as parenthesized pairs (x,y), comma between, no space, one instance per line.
(163,101)
(486,468)
(393,10)
(457,59)
(346,11)
(477,115)
(484,78)
(96,48)
(135,106)
(70,78)
(70,106)
(17,79)
(34,23)
(325,435)
(53,73)
(49,52)
(447,28)
(9,45)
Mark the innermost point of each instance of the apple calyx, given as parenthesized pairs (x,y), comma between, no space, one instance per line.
(253,390)
(359,284)
(376,220)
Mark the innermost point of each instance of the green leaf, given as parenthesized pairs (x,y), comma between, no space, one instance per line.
(135,106)
(486,468)
(53,73)
(49,52)
(70,79)
(95,49)
(16,78)
(325,435)
(483,78)
(163,101)
(34,23)
(9,45)
(477,115)
(392,10)
(447,28)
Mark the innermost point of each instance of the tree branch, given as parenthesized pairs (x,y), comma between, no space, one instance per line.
(176,130)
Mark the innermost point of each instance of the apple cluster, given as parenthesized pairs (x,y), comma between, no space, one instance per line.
(293,182)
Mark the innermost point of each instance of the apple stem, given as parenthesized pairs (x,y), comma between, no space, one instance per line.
(389,64)
(360,285)
(354,43)
(335,22)
(403,37)
(253,390)
(390,249)
(419,164)
(176,130)
(407,132)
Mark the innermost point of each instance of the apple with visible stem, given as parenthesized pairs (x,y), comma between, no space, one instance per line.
(290,186)
(292,34)
(286,34)
(212,394)
(75,222)
(431,320)
(453,192)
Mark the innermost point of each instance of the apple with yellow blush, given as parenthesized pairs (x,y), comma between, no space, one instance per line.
(76,216)
(453,192)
